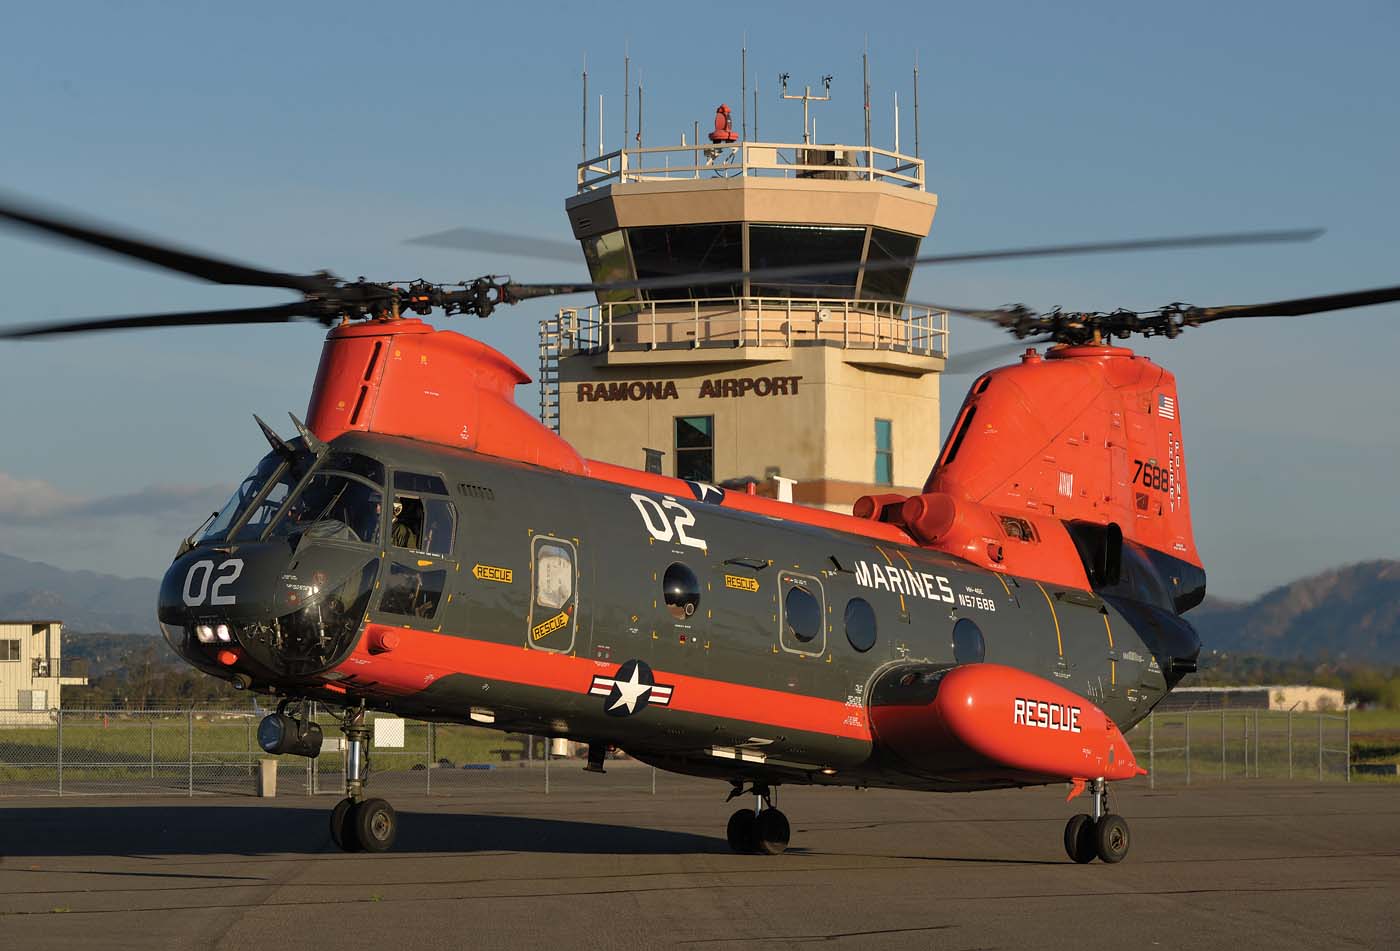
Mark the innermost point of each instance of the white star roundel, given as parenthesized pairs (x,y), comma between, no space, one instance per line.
(630,689)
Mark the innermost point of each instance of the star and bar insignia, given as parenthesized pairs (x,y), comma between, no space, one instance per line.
(630,690)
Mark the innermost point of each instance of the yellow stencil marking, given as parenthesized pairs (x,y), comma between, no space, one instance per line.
(546,628)
(740,583)
(1112,664)
(890,561)
(493,573)
(1060,644)
(1003,585)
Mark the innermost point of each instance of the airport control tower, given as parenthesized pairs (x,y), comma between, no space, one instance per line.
(830,381)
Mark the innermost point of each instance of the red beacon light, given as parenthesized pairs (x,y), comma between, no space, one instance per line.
(724,126)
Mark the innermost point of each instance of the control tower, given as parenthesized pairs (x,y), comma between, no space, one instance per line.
(830,381)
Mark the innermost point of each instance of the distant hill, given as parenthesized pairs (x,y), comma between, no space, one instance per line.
(1346,614)
(82,600)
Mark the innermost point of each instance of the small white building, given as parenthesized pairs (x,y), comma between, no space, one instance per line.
(1261,697)
(31,676)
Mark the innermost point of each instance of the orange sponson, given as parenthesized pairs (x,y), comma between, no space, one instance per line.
(403,378)
(991,721)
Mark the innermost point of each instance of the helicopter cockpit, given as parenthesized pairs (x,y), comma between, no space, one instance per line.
(280,579)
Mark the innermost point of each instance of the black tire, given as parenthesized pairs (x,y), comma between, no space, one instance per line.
(343,826)
(1080,845)
(771,833)
(376,826)
(740,831)
(1111,838)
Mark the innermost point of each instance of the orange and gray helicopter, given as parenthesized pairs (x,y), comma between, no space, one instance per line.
(424,546)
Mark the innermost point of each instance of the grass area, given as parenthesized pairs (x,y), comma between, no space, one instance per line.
(111,746)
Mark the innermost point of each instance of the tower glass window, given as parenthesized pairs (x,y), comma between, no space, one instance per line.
(695,448)
(884,452)
(881,281)
(805,245)
(667,250)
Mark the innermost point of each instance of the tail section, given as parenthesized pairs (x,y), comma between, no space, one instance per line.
(1080,451)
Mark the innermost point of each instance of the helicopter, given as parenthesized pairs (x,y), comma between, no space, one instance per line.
(425,547)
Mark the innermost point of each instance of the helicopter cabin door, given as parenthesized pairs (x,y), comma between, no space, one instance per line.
(422,528)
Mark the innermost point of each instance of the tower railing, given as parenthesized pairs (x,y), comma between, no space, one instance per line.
(731,322)
(752,159)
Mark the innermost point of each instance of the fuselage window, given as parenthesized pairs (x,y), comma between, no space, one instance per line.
(554,603)
(682,590)
(969,647)
(860,624)
(802,614)
(412,592)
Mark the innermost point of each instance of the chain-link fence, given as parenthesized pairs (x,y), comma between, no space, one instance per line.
(185,752)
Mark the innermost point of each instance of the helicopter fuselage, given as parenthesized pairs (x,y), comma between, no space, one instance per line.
(454,586)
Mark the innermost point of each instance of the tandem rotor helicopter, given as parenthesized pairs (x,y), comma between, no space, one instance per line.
(426,547)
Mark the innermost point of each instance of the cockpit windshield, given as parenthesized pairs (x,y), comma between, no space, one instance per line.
(273,467)
(333,506)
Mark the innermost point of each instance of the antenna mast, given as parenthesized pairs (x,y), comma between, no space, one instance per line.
(583,150)
(626,95)
(916,105)
(806,98)
(744,90)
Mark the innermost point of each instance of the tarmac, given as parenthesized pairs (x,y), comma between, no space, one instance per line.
(606,864)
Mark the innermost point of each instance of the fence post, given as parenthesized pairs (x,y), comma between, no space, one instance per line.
(653,780)
(1222,744)
(1290,742)
(60,752)
(1187,717)
(1256,743)
(152,724)
(1319,746)
(547,755)
(189,745)
(1152,751)
(1348,713)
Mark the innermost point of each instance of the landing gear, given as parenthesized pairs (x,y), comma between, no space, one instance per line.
(1103,835)
(360,824)
(762,830)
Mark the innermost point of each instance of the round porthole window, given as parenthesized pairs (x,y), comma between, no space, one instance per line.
(969,647)
(860,624)
(682,590)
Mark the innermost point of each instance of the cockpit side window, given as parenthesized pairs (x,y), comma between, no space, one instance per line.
(420,522)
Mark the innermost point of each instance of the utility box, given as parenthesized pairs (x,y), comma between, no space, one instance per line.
(267,778)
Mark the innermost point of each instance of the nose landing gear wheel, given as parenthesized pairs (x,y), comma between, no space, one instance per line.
(1080,843)
(343,826)
(375,824)
(1111,838)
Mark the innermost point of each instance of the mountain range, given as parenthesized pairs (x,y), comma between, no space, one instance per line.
(1350,613)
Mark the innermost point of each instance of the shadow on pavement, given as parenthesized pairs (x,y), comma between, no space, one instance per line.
(223,830)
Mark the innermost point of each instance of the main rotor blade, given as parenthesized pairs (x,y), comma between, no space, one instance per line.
(766,275)
(276,314)
(500,242)
(974,361)
(1300,306)
(185,262)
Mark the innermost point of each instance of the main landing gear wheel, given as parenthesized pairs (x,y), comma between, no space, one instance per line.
(1103,835)
(343,826)
(359,824)
(762,830)
(1079,839)
(375,824)
(1111,838)
(771,833)
(740,831)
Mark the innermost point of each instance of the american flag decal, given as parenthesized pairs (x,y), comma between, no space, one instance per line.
(1166,406)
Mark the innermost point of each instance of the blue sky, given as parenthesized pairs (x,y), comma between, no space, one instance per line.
(319,135)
